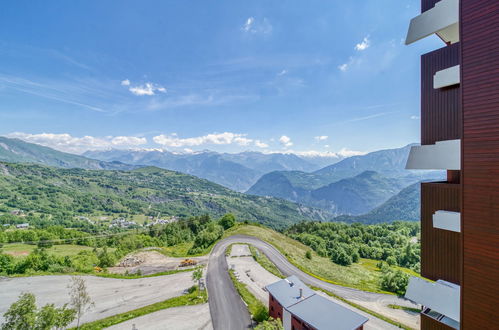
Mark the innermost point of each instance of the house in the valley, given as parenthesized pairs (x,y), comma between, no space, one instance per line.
(300,308)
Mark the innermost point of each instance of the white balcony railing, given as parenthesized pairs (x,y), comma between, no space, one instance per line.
(442,19)
(447,77)
(440,296)
(447,220)
(443,155)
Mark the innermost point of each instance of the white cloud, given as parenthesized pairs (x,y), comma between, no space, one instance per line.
(147,89)
(415,117)
(254,26)
(248,24)
(282,73)
(261,144)
(216,138)
(68,143)
(343,67)
(128,141)
(285,141)
(321,138)
(363,45)
(226,138)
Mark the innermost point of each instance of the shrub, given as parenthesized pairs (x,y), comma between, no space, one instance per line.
(227,221)
(391,261)
(340,257)
(394,281)
(261,314)
(308,255)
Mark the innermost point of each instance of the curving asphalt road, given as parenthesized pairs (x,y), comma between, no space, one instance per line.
(226,307)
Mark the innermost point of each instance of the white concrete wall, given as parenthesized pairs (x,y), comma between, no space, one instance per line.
(442,19)
(447,77)
(443,155)
(286,319)
(447,220)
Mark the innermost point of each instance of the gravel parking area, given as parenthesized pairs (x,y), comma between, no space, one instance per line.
(195,317)
(111,296)
(254,276)
(240,250)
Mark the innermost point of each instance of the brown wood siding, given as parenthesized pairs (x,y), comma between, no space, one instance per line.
(440,249)
(427,323)
(428,4)
(479,28)
(440,110)
(275,309)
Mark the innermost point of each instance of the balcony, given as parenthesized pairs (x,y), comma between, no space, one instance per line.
(447,77)
(447,220)
(442,19)
(441,299)
(443,155)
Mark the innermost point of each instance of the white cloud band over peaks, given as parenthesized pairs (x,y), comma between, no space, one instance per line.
(68,143)
(225,138)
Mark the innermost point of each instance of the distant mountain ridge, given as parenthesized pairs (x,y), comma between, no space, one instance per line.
(19,151)
(403,206)
(236,171)
(353,186)
(146,190)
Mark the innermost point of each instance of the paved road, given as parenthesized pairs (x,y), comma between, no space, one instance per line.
(225,304)
(227,309)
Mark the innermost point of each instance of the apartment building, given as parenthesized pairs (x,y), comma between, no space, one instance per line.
(460,134)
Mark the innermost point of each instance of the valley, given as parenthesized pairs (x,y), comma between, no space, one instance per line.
(339,232)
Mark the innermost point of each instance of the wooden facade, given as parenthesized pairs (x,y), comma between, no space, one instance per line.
(440,108)
(427,4)
(440,249)
(469,112)
(275,309)
(479,29)
(429,323)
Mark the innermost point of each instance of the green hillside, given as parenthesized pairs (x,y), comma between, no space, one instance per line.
(146,190)
(356,195)
(18,151)
(403,206)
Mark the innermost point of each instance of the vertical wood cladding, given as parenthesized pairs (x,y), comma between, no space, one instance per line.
(440,249)
(479,28)
(427,323)
(440,110)
(427,4)
(275,309)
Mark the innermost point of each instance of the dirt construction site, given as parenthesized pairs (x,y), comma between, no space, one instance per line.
(151,262)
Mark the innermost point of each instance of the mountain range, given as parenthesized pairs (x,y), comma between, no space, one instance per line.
(362,188)
(237,171)
(353,186)
(147,190)
(402,206)
(19,151)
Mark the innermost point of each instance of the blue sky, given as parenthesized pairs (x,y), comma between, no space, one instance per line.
(324,76)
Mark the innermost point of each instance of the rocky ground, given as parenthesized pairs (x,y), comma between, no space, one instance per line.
(151,262)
